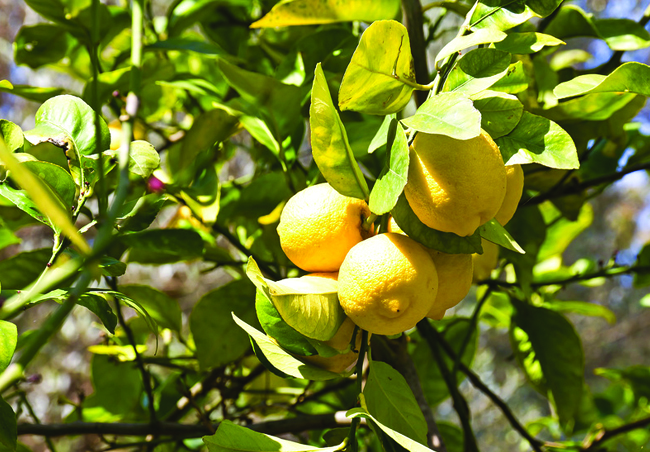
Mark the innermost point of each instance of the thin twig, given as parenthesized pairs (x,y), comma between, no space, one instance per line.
(604,435)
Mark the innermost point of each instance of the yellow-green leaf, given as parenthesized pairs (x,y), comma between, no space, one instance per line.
(309,12)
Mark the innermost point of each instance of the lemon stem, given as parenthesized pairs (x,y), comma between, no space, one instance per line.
(352,444)
(368,222)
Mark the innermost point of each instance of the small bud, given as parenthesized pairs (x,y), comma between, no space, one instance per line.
(35,379)
(155,185)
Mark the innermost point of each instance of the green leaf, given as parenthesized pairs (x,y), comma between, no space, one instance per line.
(33,93)
(515,81)
(58,216)
(275,327)
(99,306)
(452,436)
(450,114)
(381,77)
(538,140)
(563,231)
(390,400)
(7,237)
(308,12)
(329,141)
(199,46)
(446,242)
(506,14)
(459,43)
(591,107)
(454,331)
(635,376)
(643,259)
(137,307)
(404,441)
(8,338)
(554,350)
(8,428)
(310,305)
(143,159)
(619,34)
(41,44)
(12,135)
(164,310)
(18,271)
(477,71)
(528,42)
(495,233)
(629,77)
(393,178)
(218,340)
(282,360)
(500,112)
(163,246)
(583,308)
(231,437)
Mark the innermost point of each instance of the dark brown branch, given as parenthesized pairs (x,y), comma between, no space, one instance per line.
(604,273)
(478,384)
(575,188)
(605,435)
(415,27)
(293,425)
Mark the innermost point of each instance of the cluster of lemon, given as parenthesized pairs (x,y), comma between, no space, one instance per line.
(388,282)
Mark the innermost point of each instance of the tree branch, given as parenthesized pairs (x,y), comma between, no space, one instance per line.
(478,384)
(604,435)
(415,27)
(292,425)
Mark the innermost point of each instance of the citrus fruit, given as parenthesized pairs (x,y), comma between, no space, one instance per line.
(318,226)
(454,281)
(454,185)
(454,276)
(486,262)
(387,283)
(514,190)
(115,129)
(341,362)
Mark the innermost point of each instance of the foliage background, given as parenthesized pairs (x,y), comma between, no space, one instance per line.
(620,227)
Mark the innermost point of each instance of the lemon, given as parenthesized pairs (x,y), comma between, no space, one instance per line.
(341,362)
(454,276)
(514,190)
(453,185)
(318,226)
(486,262)
(387,284)
(454,281)
(115,128)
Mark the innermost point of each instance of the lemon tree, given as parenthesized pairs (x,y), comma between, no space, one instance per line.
(315,225)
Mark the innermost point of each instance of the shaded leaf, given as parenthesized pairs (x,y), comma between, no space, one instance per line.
(556,351)
(538,140)
(308,12)
(8,428)
(446,242)
(33,93)
(98,306)
(164,310)
(330,147)
(161,246)
(390,183)
(500,112)
(390,400)
(18,271)
(381,77)
(218,339)
(583,308)
(477,71)
(643,260)
(450,114)
(41,44)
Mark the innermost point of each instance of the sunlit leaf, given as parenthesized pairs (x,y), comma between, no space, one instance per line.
(329,141)
(630,77)
(450,114)
(538,140)
(12,135)
(485,36)
(393,178)
(143,159)
(495,233)
(528,42)
(515,80)
(308,12)
(381,75)
(8,338)
(477,71)
(504,15)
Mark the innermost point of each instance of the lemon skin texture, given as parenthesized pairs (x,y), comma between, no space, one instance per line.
(455,273)
(453,185)
(514,190)
(454,276)
(387,284)
(318,226)
(342,362)
(486,262)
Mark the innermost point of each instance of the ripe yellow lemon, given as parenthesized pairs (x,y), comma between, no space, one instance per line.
(454,276)
(453,185)
(454,281)
(115,128)
(387,284)
(514,190)
(318,226)
(486,262)
(341,362)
